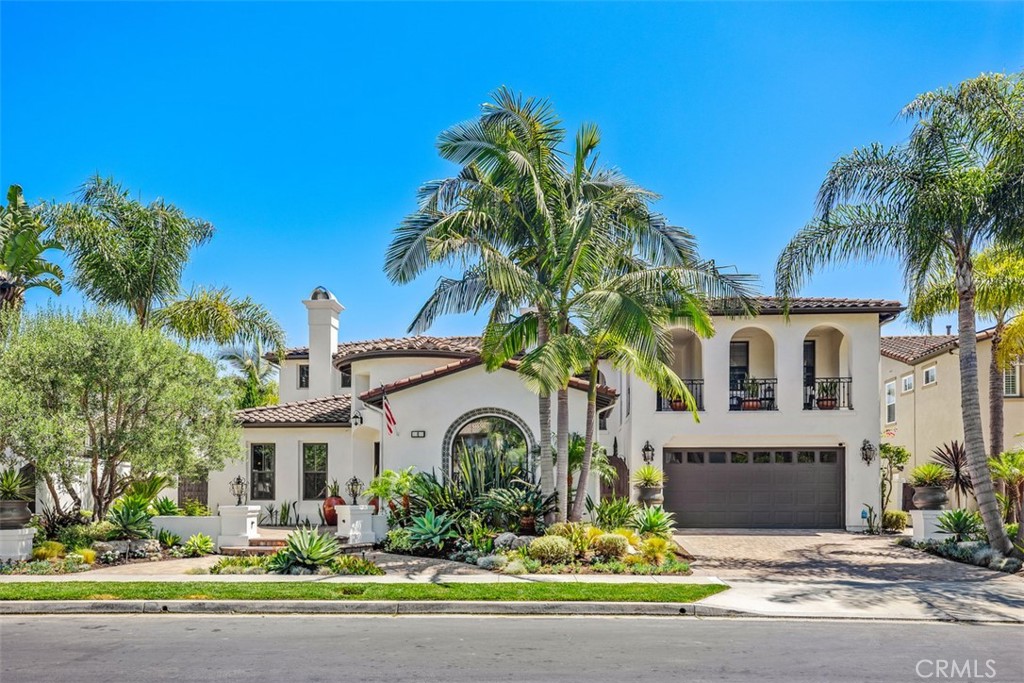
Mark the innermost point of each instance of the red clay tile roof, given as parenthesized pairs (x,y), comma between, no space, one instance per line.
(771,305)
(912,349)
(421,345)
(330,411)
(605,394)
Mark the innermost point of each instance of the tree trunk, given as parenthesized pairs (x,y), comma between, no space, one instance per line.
(562,449)
(588,447)
(547,474)
(995,394)
(970,400)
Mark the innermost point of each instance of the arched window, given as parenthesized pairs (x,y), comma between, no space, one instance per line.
(495,436)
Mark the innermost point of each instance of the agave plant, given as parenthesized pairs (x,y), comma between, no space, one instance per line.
(14,485)
(612,513)
(305,549)
(964,525)
(654,521)
(165,507)
(130,517)
(431,531)
(506,506)
(198,545)
(148,488)
(168,539)
(953,456)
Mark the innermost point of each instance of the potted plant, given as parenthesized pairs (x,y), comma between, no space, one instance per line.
(828,392)
(930,481)
(751,394)
(527,521)
(649,481)
(15,492)
(333,498)
(677,404)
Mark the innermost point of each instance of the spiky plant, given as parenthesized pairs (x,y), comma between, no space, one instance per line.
(953,456)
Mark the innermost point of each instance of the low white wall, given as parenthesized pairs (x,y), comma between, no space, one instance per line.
(188,526)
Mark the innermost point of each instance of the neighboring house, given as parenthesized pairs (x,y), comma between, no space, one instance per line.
(784,407)
(920,389)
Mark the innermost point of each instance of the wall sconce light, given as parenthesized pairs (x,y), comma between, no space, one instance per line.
(237,486)
(648,452)
(867,452)
(356,419)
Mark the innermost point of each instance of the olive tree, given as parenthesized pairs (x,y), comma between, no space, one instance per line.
(91,398)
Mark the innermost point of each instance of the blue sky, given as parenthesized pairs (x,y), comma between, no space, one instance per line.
(303,130)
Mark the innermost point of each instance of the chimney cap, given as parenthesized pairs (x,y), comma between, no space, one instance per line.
(321,293)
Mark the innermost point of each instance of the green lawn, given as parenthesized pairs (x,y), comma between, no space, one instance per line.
(204,590)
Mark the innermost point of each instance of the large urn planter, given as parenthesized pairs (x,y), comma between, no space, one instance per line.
(827,403)
(14,514)
(677,404)
(930,497)
(330,514)
(650,496)
(750,404)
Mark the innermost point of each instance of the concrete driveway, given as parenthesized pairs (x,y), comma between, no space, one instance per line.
(831,573)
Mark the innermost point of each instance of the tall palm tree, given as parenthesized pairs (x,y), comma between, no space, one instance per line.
(999,284)
(254,375)
(956,186)
(132,255)
(22,244)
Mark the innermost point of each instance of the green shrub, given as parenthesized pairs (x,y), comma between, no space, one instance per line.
(354,566)
(100,531)
(612,513)
(74,537)
(239,563)
(193,508)
(1012,530)
(894,520)
(654,521)
(306,550)
(168,539)
(165,507)
(610,546)
(398,541)
(130,517)
(964,525)
(198,545)
(631,536)
(515,567)
(576,533)
(48,550)
(552,549)
(431,531)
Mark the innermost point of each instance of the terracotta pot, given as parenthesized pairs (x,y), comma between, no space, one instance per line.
(930,497)
(527,525)
(649,496)
(677,404)
(14,514)
(827,403)
(751,404)
(330,515)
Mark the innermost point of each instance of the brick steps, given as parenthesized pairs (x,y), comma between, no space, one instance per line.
(269,546)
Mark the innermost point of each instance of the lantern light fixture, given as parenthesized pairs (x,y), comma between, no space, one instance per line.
(237,486)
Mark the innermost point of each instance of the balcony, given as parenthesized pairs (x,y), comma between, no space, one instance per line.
(694,386)
(829,393)
(752,394)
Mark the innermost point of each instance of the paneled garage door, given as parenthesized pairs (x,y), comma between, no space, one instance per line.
(755,488)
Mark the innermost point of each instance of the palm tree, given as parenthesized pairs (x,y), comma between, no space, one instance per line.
(955,187)
(1008,468)
(999,283)
(22,243)
(255,375)
(132,255)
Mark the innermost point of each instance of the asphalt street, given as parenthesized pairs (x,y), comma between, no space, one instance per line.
(283,649)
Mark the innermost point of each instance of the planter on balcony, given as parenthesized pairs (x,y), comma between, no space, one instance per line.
(827,403)
(677,404)
(750,404)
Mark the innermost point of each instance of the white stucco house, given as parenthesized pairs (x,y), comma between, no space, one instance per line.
(785,405)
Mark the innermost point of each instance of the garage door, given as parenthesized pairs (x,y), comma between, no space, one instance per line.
(755,488)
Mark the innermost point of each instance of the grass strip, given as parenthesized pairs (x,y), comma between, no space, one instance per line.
(196,590)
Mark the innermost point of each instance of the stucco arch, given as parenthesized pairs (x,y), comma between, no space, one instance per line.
(466,418)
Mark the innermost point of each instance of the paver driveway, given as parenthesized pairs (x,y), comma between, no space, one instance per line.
(795,555)
(836,574)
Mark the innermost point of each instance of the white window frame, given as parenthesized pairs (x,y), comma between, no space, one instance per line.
(890,393)
(903,383)
(935,375)
(1012,374)
(298,376)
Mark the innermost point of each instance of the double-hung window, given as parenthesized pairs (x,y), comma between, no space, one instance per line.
(908,383)
(314,471)
(890,402)
(930,375)
(1011,380)
(262,471)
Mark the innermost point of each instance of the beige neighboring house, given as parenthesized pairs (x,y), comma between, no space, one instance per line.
(920,389)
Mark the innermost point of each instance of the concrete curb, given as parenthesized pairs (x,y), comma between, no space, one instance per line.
(378,607)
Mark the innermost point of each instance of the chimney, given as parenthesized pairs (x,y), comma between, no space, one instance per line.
(323,311)
(949,330)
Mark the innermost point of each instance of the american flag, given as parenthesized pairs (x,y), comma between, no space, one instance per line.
(389,417)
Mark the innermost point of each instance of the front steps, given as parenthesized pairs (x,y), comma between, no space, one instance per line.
(269,546)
